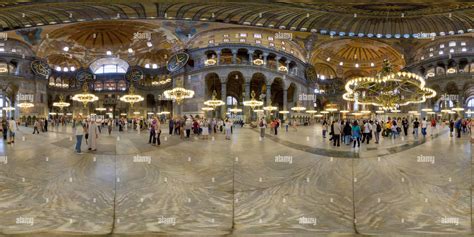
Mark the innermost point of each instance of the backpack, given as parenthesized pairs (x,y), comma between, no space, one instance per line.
(261,123)
(379,128)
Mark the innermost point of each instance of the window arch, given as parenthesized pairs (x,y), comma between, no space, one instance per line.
(470,103)
(109,65)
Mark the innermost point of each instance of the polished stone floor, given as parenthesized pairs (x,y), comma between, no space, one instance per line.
(295,183)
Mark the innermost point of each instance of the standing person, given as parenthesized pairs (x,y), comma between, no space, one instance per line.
(151,139)
(35,127)
(325,128)
(157,127)
(416,125)
(405,126)
(424,125)
(433,126)
(337,133)
(356,134)
(378,129)
(12,128)
(347,132)
(228,127)
(80,127)
(458,126)
(395,129)
(262,125)
(277,125)
(188,124)
(4,129)
(205,129)
(451,128)
(109,126)
(366,131)
(332,131)
(46,125)
(171,125)
(93,135)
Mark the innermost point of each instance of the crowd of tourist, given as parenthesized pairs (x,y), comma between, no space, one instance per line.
(349,132)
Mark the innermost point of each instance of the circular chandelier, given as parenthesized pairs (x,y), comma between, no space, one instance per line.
(388,90)
(26,105)
(284,112)
(61,104)
(178,94)
(101,109)
(235,110)
(253,102)
(210,61)
(270,107)
(207,109)
(311,111)
(8,108)
(85,97)
(131,98)
(298,107)
(258,62)
(214,102)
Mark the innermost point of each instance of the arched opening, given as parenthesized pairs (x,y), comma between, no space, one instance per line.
(234,85)
(258,84)
(277,92)
(213,83)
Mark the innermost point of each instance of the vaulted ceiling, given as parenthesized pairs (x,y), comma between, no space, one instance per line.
(364,18)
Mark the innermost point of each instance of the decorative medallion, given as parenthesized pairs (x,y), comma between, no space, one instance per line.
(177,61)
(134,74)
(41,68)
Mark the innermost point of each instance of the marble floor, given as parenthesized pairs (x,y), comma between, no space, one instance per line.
(292,184)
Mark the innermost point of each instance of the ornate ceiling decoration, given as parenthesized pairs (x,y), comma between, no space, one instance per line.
(364,18)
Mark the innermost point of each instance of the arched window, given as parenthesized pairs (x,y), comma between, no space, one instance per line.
(470,103)
(109,65)
(231,100)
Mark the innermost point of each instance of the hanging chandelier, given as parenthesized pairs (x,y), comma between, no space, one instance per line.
(270,107)
(388,90)
(26,105)
(284,112)
(178,94)
(61,104)
(298,107)
(85,97)
(8,108)
(131,98)
(235,110)
(214,102)
(253,102)
(258,62)
(210,61)
(207,109)
(101,109)
(311,111)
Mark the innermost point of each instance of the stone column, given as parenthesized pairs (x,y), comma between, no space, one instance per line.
(288,66)
(251,57)
(234,56)
(268,94)
(285,102)
(265,56)
(277,59)
(247,110)
(218,57)
(224,98)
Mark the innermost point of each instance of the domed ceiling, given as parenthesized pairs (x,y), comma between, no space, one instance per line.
(363,18)
(90,40)
(356,53)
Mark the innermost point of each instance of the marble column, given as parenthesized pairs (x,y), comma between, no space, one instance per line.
(247,110)
(251,57)
(268,94)
(265,56)
(287,66)
(218,57)
(224,98)
(285,102)
(277,59)
(234,56)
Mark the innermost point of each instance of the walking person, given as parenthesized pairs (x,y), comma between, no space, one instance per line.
(277,125)
(424,125)
(337,134)
(416,125)
(405,126)
(93,135)
(80,127)
(228,129)
(433,126)
(347,132)
(458,126)
(378,129)
(262,125)
(12,128)
(109,126)
(366,132)
(5,129)
(451,128)
(35,127)
(356,133)
(188,124)
(325,128)
(157,128)
(170,126)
